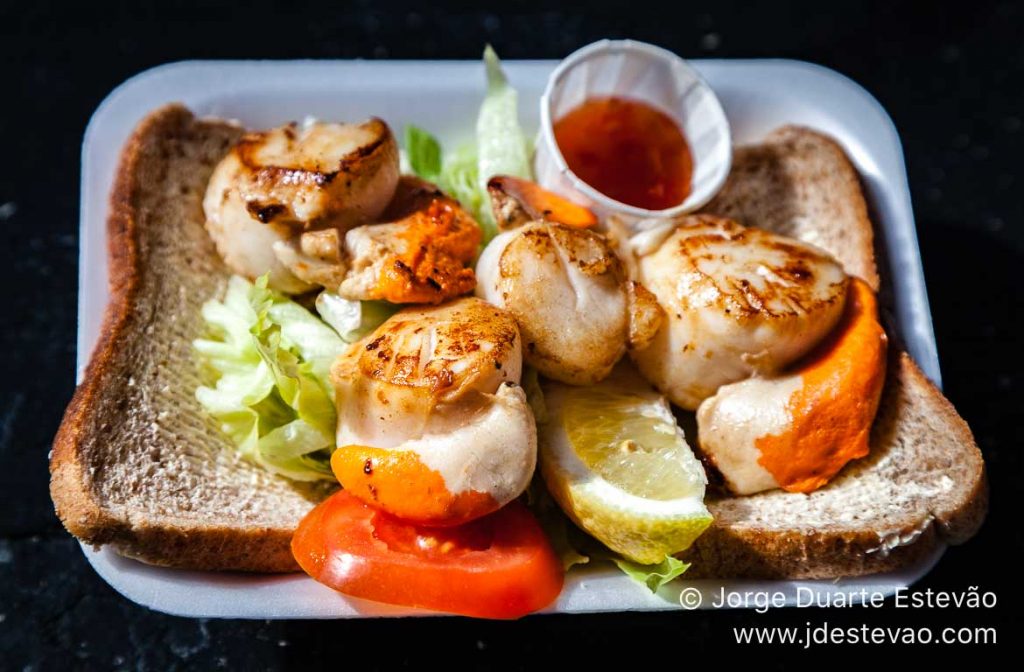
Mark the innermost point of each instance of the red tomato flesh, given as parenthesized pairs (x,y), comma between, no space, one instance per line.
(498,566)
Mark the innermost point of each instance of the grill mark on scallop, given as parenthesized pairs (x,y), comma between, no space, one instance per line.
(737,295)
(409,355)
(738,302)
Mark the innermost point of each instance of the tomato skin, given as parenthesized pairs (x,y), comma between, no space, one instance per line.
(498,566)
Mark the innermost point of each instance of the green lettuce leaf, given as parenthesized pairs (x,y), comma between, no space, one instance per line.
(652,576)
(501,144)
(501,148)
(458,179)
(423,151)
(267,363)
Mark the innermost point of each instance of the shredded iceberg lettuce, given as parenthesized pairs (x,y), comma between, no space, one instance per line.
(458,179)
(268,362)
(501,144)
(352,319)
(501,148)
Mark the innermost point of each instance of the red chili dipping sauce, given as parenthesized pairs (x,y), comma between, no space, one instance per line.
(627,150)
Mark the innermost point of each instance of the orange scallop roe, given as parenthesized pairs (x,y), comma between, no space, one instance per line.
(539,203)
(834,408)
(440,243)
(397,482)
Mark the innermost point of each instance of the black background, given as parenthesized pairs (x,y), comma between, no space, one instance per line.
(951,77)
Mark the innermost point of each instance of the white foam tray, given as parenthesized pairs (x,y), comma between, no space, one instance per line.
(443,96)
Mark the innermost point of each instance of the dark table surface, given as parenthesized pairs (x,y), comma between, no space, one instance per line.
(951,77)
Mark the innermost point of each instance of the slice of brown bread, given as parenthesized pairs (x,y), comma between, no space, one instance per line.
(137,464)
(800,183)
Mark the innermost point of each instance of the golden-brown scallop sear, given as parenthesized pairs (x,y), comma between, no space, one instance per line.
(737,302)
(244,243)
(276,184)
(567,290)
(645,315)
(432,424)
(320,174)
(422,362)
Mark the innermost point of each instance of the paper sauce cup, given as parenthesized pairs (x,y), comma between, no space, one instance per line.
(651,75)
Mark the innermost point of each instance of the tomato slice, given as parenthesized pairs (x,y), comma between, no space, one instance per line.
(497,566)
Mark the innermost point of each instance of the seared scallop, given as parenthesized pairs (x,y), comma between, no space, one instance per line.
(245,243)
(432,423)
(314,257)
(737,301)
(798,429)
(274,185)
(419,363)
(564,283)
(567,290)
(420,252)
(319,174)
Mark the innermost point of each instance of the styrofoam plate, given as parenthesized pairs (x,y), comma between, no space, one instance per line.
(443,97)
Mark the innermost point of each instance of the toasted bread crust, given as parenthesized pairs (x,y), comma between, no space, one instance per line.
(963,517)
(73,498)
(724,552)
(72,486)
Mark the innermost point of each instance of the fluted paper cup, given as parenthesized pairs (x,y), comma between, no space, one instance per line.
(649,74)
